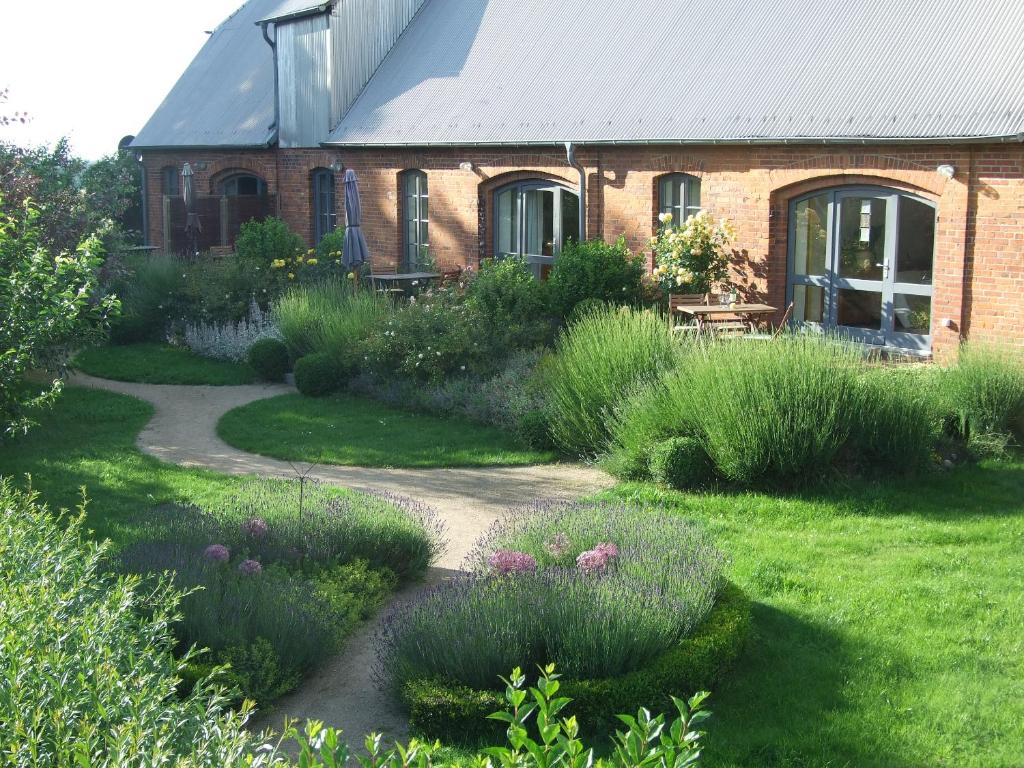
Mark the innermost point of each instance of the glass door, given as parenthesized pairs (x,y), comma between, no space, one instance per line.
(861,264)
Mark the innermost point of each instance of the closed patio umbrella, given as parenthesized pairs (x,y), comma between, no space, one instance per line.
(356,252)
(192,225)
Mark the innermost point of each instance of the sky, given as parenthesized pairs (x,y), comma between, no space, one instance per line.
(95,70)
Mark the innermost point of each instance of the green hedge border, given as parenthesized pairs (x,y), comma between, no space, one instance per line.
(458,714)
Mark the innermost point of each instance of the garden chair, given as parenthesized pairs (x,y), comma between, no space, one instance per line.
(779,329)
(728,326)
(684,300)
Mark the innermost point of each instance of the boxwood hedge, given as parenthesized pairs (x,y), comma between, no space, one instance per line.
(455,713)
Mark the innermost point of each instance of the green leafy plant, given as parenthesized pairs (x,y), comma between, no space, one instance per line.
(152,293)
(332,245)
(681,463)
(598,360)
(318,374)
(986,392)
(595,270)
(269,358)
(49,304)
(690,255)
(509,305)
(267,241)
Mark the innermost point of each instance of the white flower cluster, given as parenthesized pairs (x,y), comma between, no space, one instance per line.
(231,341)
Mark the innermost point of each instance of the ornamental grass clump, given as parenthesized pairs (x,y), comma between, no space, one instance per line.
(600,590)
(599,359)
(985,391)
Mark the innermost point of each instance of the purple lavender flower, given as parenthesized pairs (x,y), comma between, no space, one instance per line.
(217,553)
(558,545)
(249,567)
(509,561)
(609,549)
(256,527)
(592,561)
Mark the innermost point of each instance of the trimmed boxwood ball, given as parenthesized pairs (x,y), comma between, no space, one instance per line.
(318,374)
(269,358)
(680,463)
(457,713)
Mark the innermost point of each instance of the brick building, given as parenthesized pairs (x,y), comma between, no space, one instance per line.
(870,157)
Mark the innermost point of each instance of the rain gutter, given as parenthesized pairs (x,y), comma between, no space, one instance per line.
(570,157)
(277,100)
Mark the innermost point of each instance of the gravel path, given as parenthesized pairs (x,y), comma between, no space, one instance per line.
(341,692)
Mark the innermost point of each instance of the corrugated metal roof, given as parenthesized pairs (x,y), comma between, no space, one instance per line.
(226,96)
(537,71)
(290,9)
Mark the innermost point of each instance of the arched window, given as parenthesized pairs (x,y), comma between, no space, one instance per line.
(860,263)
(416,218)
(170,181)
(243,185)
(535,219)
(679,194)
(325,211)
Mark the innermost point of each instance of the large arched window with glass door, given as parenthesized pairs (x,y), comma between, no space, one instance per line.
(860,263)
(534,219)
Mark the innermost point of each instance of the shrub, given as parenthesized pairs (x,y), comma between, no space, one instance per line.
(986,391)
(597,589)
(267,241)
(599,360)
(230,340)
(86,660)
(318,374)
(681,463)
(331,245)
(509,304)
(269,358)
(595,270)
(690,255)
(151,289)
(457,713)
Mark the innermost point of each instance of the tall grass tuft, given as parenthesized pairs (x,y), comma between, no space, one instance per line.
(558,606)
(986,392)
(330,318)
(599,359)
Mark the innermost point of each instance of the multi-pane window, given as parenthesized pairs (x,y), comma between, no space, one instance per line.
(325,212)
(416,215)
(170,181)
(679,194)
(243,185)
(535,219)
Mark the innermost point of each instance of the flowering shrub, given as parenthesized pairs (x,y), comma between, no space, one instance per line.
(690,257)
(565,603)
(217,553)
(229,340)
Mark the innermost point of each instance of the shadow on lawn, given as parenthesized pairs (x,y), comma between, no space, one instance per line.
(778,705)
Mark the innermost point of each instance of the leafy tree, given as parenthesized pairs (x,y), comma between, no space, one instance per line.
(49,305)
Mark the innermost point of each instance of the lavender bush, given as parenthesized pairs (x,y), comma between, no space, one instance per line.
(230,340)
(597,589)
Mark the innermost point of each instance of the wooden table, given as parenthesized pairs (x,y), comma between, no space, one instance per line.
(396,277)
(707,314)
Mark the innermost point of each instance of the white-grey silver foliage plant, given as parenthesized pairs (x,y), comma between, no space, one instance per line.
(231,340)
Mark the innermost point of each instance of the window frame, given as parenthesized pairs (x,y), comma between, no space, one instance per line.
(225,184)
(415,189)
(167,173)
(325,217)
(540,263)
(684,187)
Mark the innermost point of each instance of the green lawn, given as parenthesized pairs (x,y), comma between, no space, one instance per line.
(352,431)
(160,364)
(888,622)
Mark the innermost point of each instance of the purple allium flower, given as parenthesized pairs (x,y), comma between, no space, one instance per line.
(558,546)
(217,553)
(256,527)
(592,561)
(609,549)
(509,561)
(250,567)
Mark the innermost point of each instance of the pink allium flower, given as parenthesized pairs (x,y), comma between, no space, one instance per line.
(558,546)
(256,527)
(250,567)
(609,549)
(592,561)
(217,553)
(509,561)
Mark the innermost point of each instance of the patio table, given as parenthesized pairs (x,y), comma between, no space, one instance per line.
(706,314)
(397,277)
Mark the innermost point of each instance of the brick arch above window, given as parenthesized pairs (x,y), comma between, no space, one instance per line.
(488,186)
(218,176)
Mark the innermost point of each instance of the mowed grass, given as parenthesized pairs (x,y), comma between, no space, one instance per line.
(351,431)
(160,364)
(87,440)
(888,622)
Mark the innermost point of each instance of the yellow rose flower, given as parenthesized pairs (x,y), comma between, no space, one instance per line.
(291,275)
(311,262)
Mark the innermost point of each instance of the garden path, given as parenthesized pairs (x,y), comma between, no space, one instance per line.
(342,693)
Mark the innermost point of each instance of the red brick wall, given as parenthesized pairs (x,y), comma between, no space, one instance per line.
(979,262)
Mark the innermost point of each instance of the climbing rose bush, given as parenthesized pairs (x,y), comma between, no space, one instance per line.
(690,257)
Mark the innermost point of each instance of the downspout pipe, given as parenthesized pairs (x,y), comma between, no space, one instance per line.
(570,157)
(144,183)
(272,42)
